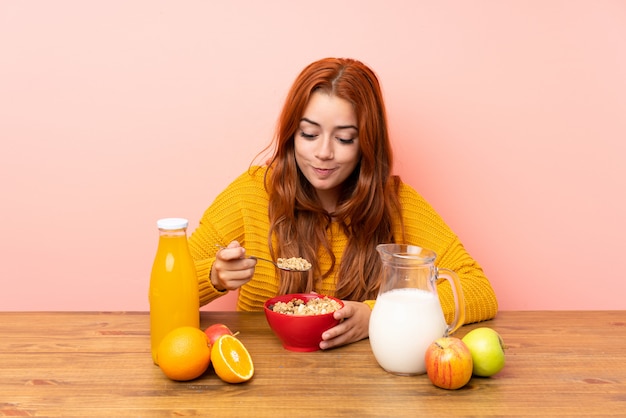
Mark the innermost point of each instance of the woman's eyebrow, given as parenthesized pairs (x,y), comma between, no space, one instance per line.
(309,121)
(336,127)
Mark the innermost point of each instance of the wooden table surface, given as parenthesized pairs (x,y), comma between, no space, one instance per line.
(98,364)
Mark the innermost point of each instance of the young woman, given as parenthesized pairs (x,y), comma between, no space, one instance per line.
(327,195)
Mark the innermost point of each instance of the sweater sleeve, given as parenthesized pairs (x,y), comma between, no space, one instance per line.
(424,227)
(202,245)
(480,299)
(223,222)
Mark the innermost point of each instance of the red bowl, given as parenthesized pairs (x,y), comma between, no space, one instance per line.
(299,332)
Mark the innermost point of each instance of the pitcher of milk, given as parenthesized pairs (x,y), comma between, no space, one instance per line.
(407,316)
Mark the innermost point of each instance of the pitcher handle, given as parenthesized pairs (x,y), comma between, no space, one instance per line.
(459,299)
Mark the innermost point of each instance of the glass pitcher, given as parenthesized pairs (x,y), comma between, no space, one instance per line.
(407,316)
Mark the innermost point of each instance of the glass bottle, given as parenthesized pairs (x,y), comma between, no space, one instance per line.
(173,295)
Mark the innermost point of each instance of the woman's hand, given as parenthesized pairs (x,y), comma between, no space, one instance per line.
(354,326)
(232,269)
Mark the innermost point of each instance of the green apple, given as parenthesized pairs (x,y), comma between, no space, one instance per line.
(487,350)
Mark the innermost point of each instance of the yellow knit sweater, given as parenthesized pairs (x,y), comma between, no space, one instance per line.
(240,213)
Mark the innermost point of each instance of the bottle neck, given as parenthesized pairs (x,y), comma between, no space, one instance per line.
(173,233)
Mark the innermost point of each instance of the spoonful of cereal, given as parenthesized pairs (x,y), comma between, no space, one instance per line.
(293,264)
(287,264)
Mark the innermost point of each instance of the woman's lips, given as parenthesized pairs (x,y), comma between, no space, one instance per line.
(323,172)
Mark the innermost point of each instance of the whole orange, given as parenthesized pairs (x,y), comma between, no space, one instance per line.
(184,353)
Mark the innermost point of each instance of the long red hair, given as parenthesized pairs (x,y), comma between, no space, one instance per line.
(369,203)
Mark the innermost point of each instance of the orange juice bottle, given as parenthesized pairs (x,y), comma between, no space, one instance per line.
(173,295)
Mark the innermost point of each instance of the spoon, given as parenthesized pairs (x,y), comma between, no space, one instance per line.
(287,264)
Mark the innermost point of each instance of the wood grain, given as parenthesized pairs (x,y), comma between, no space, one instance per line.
(98,364)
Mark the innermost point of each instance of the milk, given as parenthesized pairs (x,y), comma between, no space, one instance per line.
(404,322)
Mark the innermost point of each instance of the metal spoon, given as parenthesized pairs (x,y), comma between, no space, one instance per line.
(281,266)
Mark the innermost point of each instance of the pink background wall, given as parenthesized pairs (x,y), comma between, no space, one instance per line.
(509,116)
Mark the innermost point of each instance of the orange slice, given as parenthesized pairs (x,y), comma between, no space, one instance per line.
(231,360)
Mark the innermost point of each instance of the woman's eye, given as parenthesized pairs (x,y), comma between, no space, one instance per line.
(346,141)
(305,135)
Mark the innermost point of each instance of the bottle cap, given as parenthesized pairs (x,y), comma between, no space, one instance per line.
(172,223)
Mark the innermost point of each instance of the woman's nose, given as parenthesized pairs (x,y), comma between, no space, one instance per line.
(325,149)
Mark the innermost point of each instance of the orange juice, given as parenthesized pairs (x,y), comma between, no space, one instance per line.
(174,300)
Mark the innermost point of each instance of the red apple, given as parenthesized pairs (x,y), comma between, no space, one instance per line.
(449,363)
(215,331)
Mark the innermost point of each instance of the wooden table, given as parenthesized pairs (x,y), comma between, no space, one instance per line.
(99,365)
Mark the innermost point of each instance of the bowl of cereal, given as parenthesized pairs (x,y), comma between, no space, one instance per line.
(300,319)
